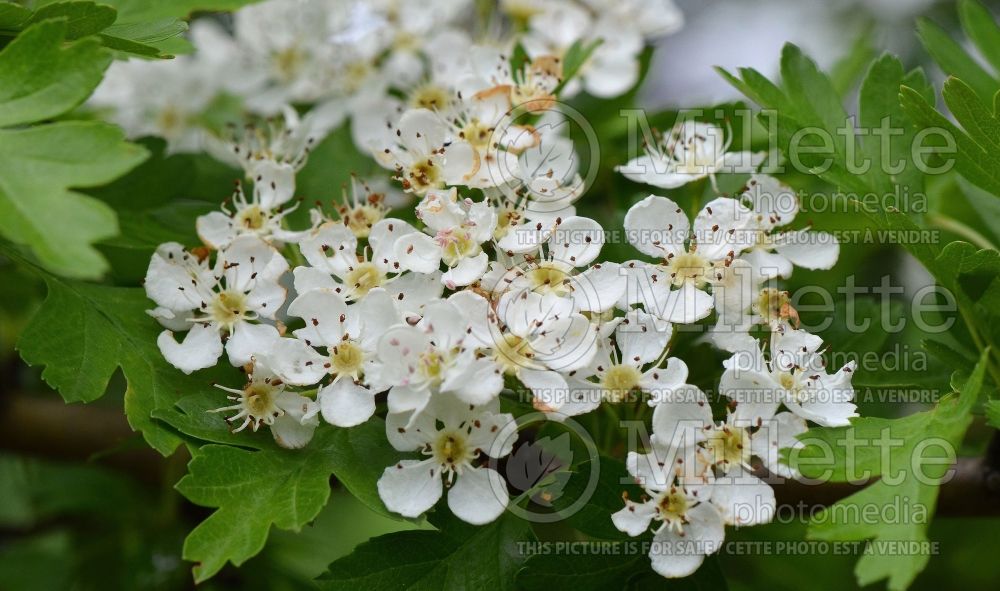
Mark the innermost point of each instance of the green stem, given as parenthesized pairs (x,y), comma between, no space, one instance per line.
(954,226)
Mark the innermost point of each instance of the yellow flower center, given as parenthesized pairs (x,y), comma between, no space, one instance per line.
(730,445)
(253,218)
(477,134)
(288,62)
(507,218)
(432,366)
(549,277)
(451,449)
(363,278)
(618,381)
(430,96)
(228,308)
(346,359)
(259,400)
(688,267)
(422,175)
(512,353)
(361,218)
(456,245)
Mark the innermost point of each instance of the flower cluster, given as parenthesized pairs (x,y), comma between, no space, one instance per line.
(497,283)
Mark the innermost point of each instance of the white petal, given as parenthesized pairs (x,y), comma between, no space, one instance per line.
(598,288)
(642,337)
(331,248)
(290,433)
(673,555)
(768,264)
(477,381)
(679,421)
(809,250)
(200,348)
(307,278)
(576,241)
(548,387)
(410,487)
(634,518)
(466,272)
(346,404)
(779,433)
(742,498)
(295,362)
(418,252)
(216,229)
(656,226)
(250,340)
(479,496)
(722,227)
(323,311)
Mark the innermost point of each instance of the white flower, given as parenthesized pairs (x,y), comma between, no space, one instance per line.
(366,205)
(416,361)
(265,401)
(258,216)
(795,375)
(635,362)
(537,338)
(532,87)
(690,525)
(774,252)
(692,150)
(425,156)
(694,257)
(215,303)
(484,121)
(339,341)
(458,230)
(549,262)
(332,253)
(612,68)
(453,435)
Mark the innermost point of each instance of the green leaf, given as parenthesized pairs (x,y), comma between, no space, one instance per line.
(896,461)
(849,69)
(992,408)
(37,209)
(594,517)
(41,77)
(954,60)
(978,145)
(582,572)
(470,559)
(81,18)
(134,11)
(576,56)
(13,16)
(255,488)
(982,29)
(144,38)
(83,333)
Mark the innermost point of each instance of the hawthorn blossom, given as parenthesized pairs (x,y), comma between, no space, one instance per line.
(794,375)
(693,257)
(775,252)
(338,341)
(415,362)
(425,156)
(458,230)
(455,437)
(690,151)
(216,304)
(634,361)
(334,263)
(265,401)
(689,526)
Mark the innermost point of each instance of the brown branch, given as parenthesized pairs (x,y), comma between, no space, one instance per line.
(42,425)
